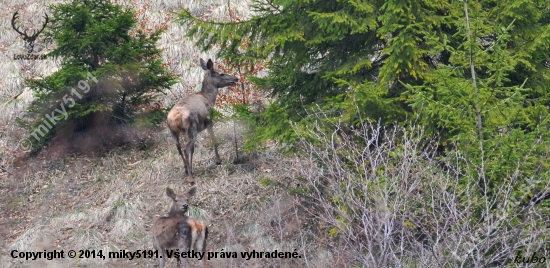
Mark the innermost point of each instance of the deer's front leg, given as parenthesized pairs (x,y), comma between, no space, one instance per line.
(209,125)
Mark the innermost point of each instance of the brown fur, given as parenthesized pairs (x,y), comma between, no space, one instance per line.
(191,115)
(197,226)
(177,231)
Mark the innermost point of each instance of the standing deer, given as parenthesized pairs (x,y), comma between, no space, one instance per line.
(191,115)
(177,231)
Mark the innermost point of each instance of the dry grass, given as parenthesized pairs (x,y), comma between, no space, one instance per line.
(110,201)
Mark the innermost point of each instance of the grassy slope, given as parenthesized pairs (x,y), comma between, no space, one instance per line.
(110,201)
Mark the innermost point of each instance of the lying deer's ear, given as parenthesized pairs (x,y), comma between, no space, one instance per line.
(210,65)
(203,65)
(192,191)
(170,193)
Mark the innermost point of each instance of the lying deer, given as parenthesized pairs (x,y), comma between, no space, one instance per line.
(177,231)
(191,115)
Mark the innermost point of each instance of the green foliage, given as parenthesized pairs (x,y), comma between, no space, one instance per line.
(299,191)
(266,182)
(363,58)
(108,68)
(149,119)
(216,115)
(273,122)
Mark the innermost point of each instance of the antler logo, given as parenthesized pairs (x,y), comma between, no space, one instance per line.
(29,40)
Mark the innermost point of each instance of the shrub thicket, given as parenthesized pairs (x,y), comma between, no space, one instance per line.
(389,200)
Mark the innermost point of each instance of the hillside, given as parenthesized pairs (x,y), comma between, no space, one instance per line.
(109,200)
(388,134)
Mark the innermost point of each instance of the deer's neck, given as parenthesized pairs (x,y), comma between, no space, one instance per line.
(175,212)
(210,92)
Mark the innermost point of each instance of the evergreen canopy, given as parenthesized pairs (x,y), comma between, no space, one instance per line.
(108,68)
(394,59)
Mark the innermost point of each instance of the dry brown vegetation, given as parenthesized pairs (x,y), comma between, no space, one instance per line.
(110,202)
(109,199)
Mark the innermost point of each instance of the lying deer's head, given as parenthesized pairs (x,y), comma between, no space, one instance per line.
(180,202)
(215,78)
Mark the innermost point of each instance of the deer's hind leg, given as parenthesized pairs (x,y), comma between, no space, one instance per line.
(175,135)
(190,149)
(200,244)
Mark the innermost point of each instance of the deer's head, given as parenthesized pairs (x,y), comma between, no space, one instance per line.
(180,203)
(216,78)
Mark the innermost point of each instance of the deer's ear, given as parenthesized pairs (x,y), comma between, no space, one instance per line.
(210,65)
(170,193)
(203,65)
(192,191)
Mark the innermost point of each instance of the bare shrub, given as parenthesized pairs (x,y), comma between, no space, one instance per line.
(382,197)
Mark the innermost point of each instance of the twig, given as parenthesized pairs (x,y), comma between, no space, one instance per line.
(4,169)
(19,94)
(235,140)
(242,88)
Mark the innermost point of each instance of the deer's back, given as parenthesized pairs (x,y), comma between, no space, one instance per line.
(195,102)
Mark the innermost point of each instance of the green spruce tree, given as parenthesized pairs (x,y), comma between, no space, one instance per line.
(360,59)
(108,68)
